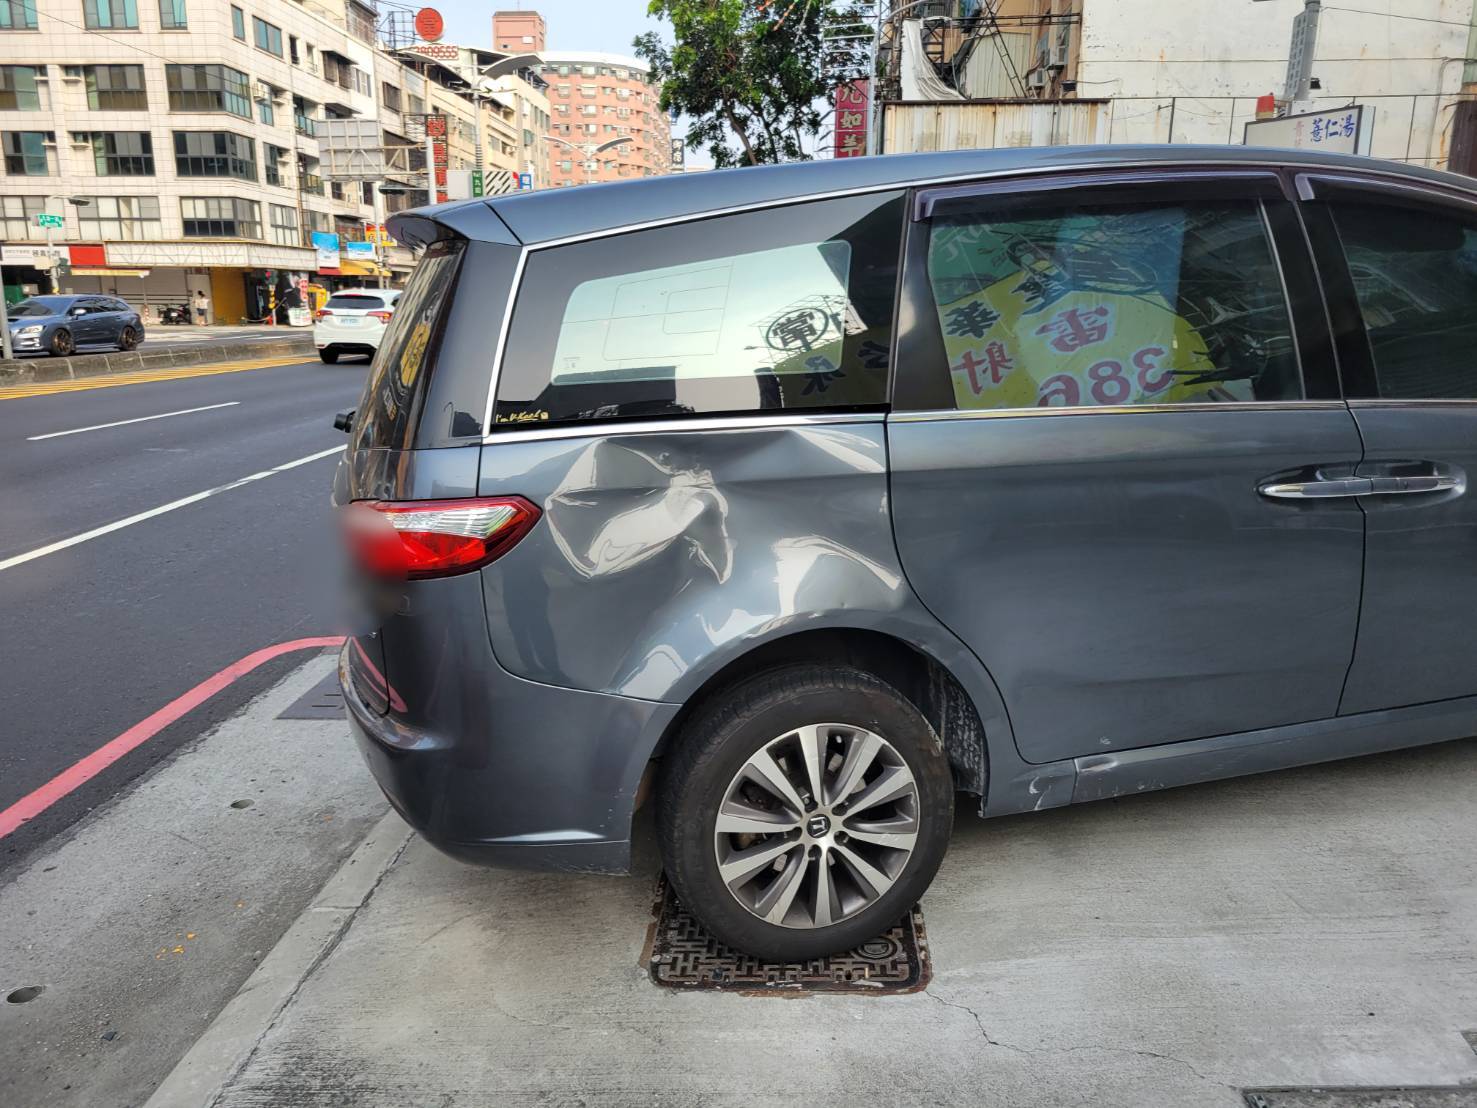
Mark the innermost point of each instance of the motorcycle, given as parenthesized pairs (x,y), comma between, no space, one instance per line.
(174,314)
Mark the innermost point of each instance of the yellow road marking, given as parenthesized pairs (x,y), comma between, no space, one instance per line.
(113,380)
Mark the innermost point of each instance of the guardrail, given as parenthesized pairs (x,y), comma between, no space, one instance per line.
(23,371)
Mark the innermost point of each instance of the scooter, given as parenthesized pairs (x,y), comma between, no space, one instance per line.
(174,313)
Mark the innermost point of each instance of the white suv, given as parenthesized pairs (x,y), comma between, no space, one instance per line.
(353,322)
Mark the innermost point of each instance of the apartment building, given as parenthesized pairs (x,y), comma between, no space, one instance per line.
(178,141)
(596,97)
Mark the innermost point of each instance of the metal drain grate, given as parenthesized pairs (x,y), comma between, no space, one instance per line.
(325,700)
(682,955)
(1415,1096)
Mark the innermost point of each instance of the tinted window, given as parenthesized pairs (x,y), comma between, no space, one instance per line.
(1091,305)
(366,303)
(1415,274)
(789,308)
(401,365)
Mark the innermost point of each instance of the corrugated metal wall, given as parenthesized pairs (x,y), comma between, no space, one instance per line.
(985,74)
(981,126)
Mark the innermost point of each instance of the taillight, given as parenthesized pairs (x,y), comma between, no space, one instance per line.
(321,313)
(435,538)
(383,317)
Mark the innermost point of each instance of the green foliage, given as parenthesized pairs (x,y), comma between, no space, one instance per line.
(752,75)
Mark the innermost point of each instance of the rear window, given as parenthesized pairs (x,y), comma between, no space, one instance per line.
(364,303)
(397,379)
(788,308)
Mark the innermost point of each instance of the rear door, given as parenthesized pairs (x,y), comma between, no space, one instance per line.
(89,327)
(1116,447)
(1401,263)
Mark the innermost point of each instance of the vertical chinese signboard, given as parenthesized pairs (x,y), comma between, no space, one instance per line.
(436,134)
(852,104)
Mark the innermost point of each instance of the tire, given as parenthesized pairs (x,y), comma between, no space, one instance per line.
(61,343)
(127,339)
(329,356)
(709,767)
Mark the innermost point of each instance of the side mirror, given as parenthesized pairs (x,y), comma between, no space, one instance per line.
(344,421)
(75,312)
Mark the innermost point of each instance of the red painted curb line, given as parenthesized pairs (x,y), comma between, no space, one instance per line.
(79,773)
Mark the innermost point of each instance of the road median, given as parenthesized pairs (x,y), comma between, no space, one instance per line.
(40,370)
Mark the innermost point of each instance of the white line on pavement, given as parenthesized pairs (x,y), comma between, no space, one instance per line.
(63,544)
(123,422)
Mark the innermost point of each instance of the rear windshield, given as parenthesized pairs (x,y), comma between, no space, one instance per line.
(397,379)
(367,303)
(761,311)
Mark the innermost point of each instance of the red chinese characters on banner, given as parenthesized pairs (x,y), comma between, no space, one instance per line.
(436,131)
(852,104)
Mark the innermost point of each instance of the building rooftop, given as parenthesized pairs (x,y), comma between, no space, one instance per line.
(542,216)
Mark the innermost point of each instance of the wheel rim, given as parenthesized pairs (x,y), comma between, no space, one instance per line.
(128,339)
(817,825)
(63,342)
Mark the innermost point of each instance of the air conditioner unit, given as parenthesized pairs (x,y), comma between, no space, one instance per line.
(1036,78)
(1060,46)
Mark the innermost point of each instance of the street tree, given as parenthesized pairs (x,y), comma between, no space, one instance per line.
(754,76)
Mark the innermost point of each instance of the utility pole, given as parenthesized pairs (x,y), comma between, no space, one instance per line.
(1298,83)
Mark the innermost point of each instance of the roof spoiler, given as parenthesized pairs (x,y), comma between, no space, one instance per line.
(466,219)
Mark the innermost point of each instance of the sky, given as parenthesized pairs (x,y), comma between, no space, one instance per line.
(607,25)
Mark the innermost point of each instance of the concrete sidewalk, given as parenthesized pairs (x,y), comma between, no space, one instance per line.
(1313,927)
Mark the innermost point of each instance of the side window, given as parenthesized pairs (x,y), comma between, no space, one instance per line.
(775,310)
(1415,276)
(1109,304)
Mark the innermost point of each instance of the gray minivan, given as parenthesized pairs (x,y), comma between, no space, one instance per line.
(802,498)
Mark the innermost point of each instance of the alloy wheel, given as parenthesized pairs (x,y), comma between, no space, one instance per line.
(816,825)
(61,343)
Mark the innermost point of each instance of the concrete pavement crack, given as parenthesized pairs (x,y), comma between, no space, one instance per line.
(1031,1052)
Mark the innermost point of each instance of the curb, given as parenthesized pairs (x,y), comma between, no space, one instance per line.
(227,1045)
(25,371)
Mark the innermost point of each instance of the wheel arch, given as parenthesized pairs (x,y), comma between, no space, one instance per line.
(917,674)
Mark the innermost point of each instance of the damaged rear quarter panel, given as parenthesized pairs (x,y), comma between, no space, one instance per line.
(663,555)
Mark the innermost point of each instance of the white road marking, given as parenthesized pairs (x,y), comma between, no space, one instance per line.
(107,529)
(125,422)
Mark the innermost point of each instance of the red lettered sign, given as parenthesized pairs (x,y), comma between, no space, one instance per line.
(852,102)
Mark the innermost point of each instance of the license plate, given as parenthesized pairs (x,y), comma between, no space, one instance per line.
(350,321)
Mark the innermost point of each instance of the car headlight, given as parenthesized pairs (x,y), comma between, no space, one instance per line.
(34,329)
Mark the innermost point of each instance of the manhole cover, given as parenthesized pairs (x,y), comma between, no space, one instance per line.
(1414,1096)
(682,955)
(325,700)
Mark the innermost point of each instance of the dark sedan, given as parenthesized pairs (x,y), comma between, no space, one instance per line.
(61,325)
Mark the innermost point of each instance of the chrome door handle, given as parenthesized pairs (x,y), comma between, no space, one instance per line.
(1324,489)
(1398,486)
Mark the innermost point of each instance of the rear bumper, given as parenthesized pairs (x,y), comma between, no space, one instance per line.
(508,772)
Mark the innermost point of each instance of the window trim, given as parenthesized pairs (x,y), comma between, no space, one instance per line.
(1351,334)
(922,342)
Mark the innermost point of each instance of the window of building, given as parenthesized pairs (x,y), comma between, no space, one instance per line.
(220,217)
(272,159)
(268,36)
(26,153)
(266,111)
(17,15)
(759,311)
(390,96)
(18,215)
(238,23)
(214,154)
(121,217)
(116,88)
(123,154)
(208,88)
(1109,304)
(1415,275)
(172,15)
(300,117)
(566,165)
(283,223)
(20,90)
(110,15)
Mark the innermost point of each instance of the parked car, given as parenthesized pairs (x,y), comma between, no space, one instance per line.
(63,325)
(803,498)
(353,322)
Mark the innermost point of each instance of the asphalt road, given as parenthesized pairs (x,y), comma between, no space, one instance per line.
(96,636)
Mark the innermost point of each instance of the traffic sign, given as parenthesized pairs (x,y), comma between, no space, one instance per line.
(46,219)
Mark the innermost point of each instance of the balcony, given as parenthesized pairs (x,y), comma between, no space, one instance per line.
(310,182)
(304,124)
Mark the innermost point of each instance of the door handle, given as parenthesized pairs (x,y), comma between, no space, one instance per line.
(1320,488)
(1399,486)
